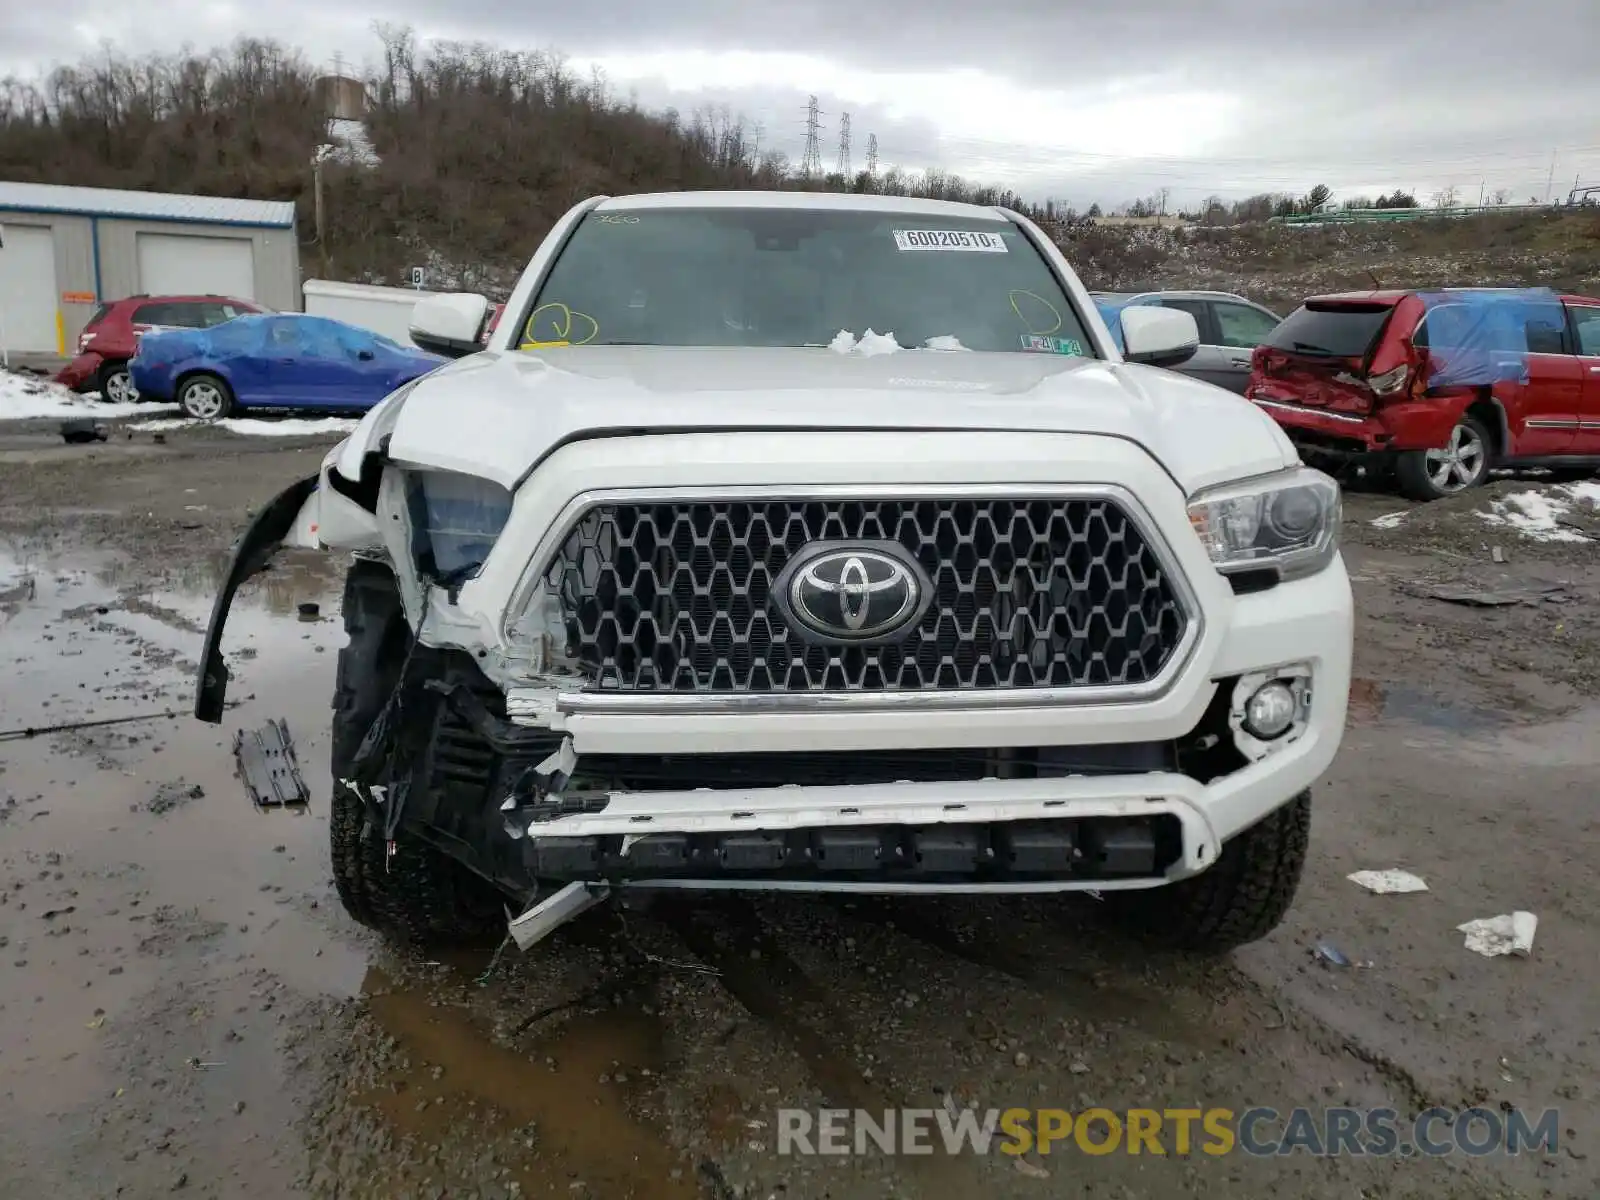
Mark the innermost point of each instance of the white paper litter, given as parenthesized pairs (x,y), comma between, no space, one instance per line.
(255,427)
(1506,934)
(1390,881)
(869,344)
(32,397)
(1388,520)
(872,344)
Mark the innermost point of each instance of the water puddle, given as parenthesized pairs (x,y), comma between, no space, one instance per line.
(564,1102)
(1372,702)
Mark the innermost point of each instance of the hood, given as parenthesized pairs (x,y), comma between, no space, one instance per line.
(498,414)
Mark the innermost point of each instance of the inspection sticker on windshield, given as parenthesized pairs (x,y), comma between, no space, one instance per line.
(949,239)
(1051,345)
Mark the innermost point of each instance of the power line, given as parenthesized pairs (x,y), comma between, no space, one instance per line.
(811,161)
(844,144)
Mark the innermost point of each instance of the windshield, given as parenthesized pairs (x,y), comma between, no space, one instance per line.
(1343,331)
(802,277)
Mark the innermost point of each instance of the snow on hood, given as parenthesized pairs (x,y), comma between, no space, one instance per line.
(528,404)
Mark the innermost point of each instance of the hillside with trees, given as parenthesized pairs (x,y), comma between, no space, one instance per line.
(475,151)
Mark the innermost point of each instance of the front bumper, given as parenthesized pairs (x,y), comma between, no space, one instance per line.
(82,374)
(1306,622)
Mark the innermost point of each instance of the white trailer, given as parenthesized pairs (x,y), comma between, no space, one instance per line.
(384,310)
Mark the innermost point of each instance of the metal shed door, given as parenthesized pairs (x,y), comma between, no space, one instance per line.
(28,289)
(180,265)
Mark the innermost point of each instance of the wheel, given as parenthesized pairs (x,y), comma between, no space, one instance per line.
(116,384)
(419,895)
(205,397)
(1241,898)
(1463,463)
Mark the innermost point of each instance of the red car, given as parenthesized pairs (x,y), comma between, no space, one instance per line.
(1507,378)
(112,334)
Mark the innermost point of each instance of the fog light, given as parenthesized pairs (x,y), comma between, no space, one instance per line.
(1270,711)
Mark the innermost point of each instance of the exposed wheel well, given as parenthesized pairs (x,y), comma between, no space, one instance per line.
(177,384)
(1488,410)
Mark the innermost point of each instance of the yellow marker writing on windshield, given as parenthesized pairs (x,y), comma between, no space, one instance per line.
(563,318)
(1054,312)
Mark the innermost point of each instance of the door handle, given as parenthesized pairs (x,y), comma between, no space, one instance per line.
(1594,370)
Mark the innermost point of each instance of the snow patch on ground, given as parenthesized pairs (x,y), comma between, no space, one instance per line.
(1388,520)
(257,427)
(348,143)
(1537,515)
(32,397)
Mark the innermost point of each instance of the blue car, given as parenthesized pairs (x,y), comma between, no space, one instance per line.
(273,360)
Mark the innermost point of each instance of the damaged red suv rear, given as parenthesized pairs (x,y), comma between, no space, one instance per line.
(1440,385)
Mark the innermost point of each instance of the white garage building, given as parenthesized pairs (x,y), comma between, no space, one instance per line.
(65,250)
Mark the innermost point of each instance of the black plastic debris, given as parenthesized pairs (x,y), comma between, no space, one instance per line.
(310,610)
(268,768)
(76,433)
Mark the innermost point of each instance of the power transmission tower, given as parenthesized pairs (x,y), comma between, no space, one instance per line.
(811,161)
(844,144)
(872,154)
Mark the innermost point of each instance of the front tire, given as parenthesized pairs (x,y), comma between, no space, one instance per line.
(419,895)
(1240,898)
(1462,465)
(205,397)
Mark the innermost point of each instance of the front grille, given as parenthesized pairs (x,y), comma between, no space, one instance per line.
(678,597)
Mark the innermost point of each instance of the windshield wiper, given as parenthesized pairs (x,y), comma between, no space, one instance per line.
(1310,348)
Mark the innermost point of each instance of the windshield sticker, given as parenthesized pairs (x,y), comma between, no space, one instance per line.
(615,219)
(553,325)
(1051,345)
(949,239)
(1038,315)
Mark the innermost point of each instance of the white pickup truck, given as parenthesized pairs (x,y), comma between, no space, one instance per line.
(819,543)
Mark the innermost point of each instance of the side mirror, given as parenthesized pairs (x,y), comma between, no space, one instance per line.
(450,323)
(1158,337)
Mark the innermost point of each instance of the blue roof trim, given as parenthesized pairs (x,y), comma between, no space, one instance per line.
(57,211)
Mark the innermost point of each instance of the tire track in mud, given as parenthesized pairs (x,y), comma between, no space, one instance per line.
(755,969)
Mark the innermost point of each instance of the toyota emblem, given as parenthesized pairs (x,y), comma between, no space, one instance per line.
(853,592)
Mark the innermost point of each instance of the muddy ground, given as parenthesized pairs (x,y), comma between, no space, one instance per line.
(184,1007)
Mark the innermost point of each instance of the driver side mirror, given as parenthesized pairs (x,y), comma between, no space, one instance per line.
(450,323)
(1158,337)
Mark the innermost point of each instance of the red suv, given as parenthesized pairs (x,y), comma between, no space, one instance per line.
(112,334)
(1441,385)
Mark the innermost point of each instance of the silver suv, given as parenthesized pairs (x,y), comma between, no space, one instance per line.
(1230,328)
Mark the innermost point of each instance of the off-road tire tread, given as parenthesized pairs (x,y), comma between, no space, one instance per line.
(419,895)
(1411,467)
(1241,898)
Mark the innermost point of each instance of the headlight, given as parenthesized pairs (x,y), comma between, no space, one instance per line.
(455,520)
(1288,521)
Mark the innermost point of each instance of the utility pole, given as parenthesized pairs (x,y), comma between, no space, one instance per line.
(811,160)
(872,155)
(844,144)
(1550,183)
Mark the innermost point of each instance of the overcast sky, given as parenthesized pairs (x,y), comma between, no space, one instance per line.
(1100,104)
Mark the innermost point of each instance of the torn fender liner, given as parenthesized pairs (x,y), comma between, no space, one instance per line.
(255,549)
(268,767)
